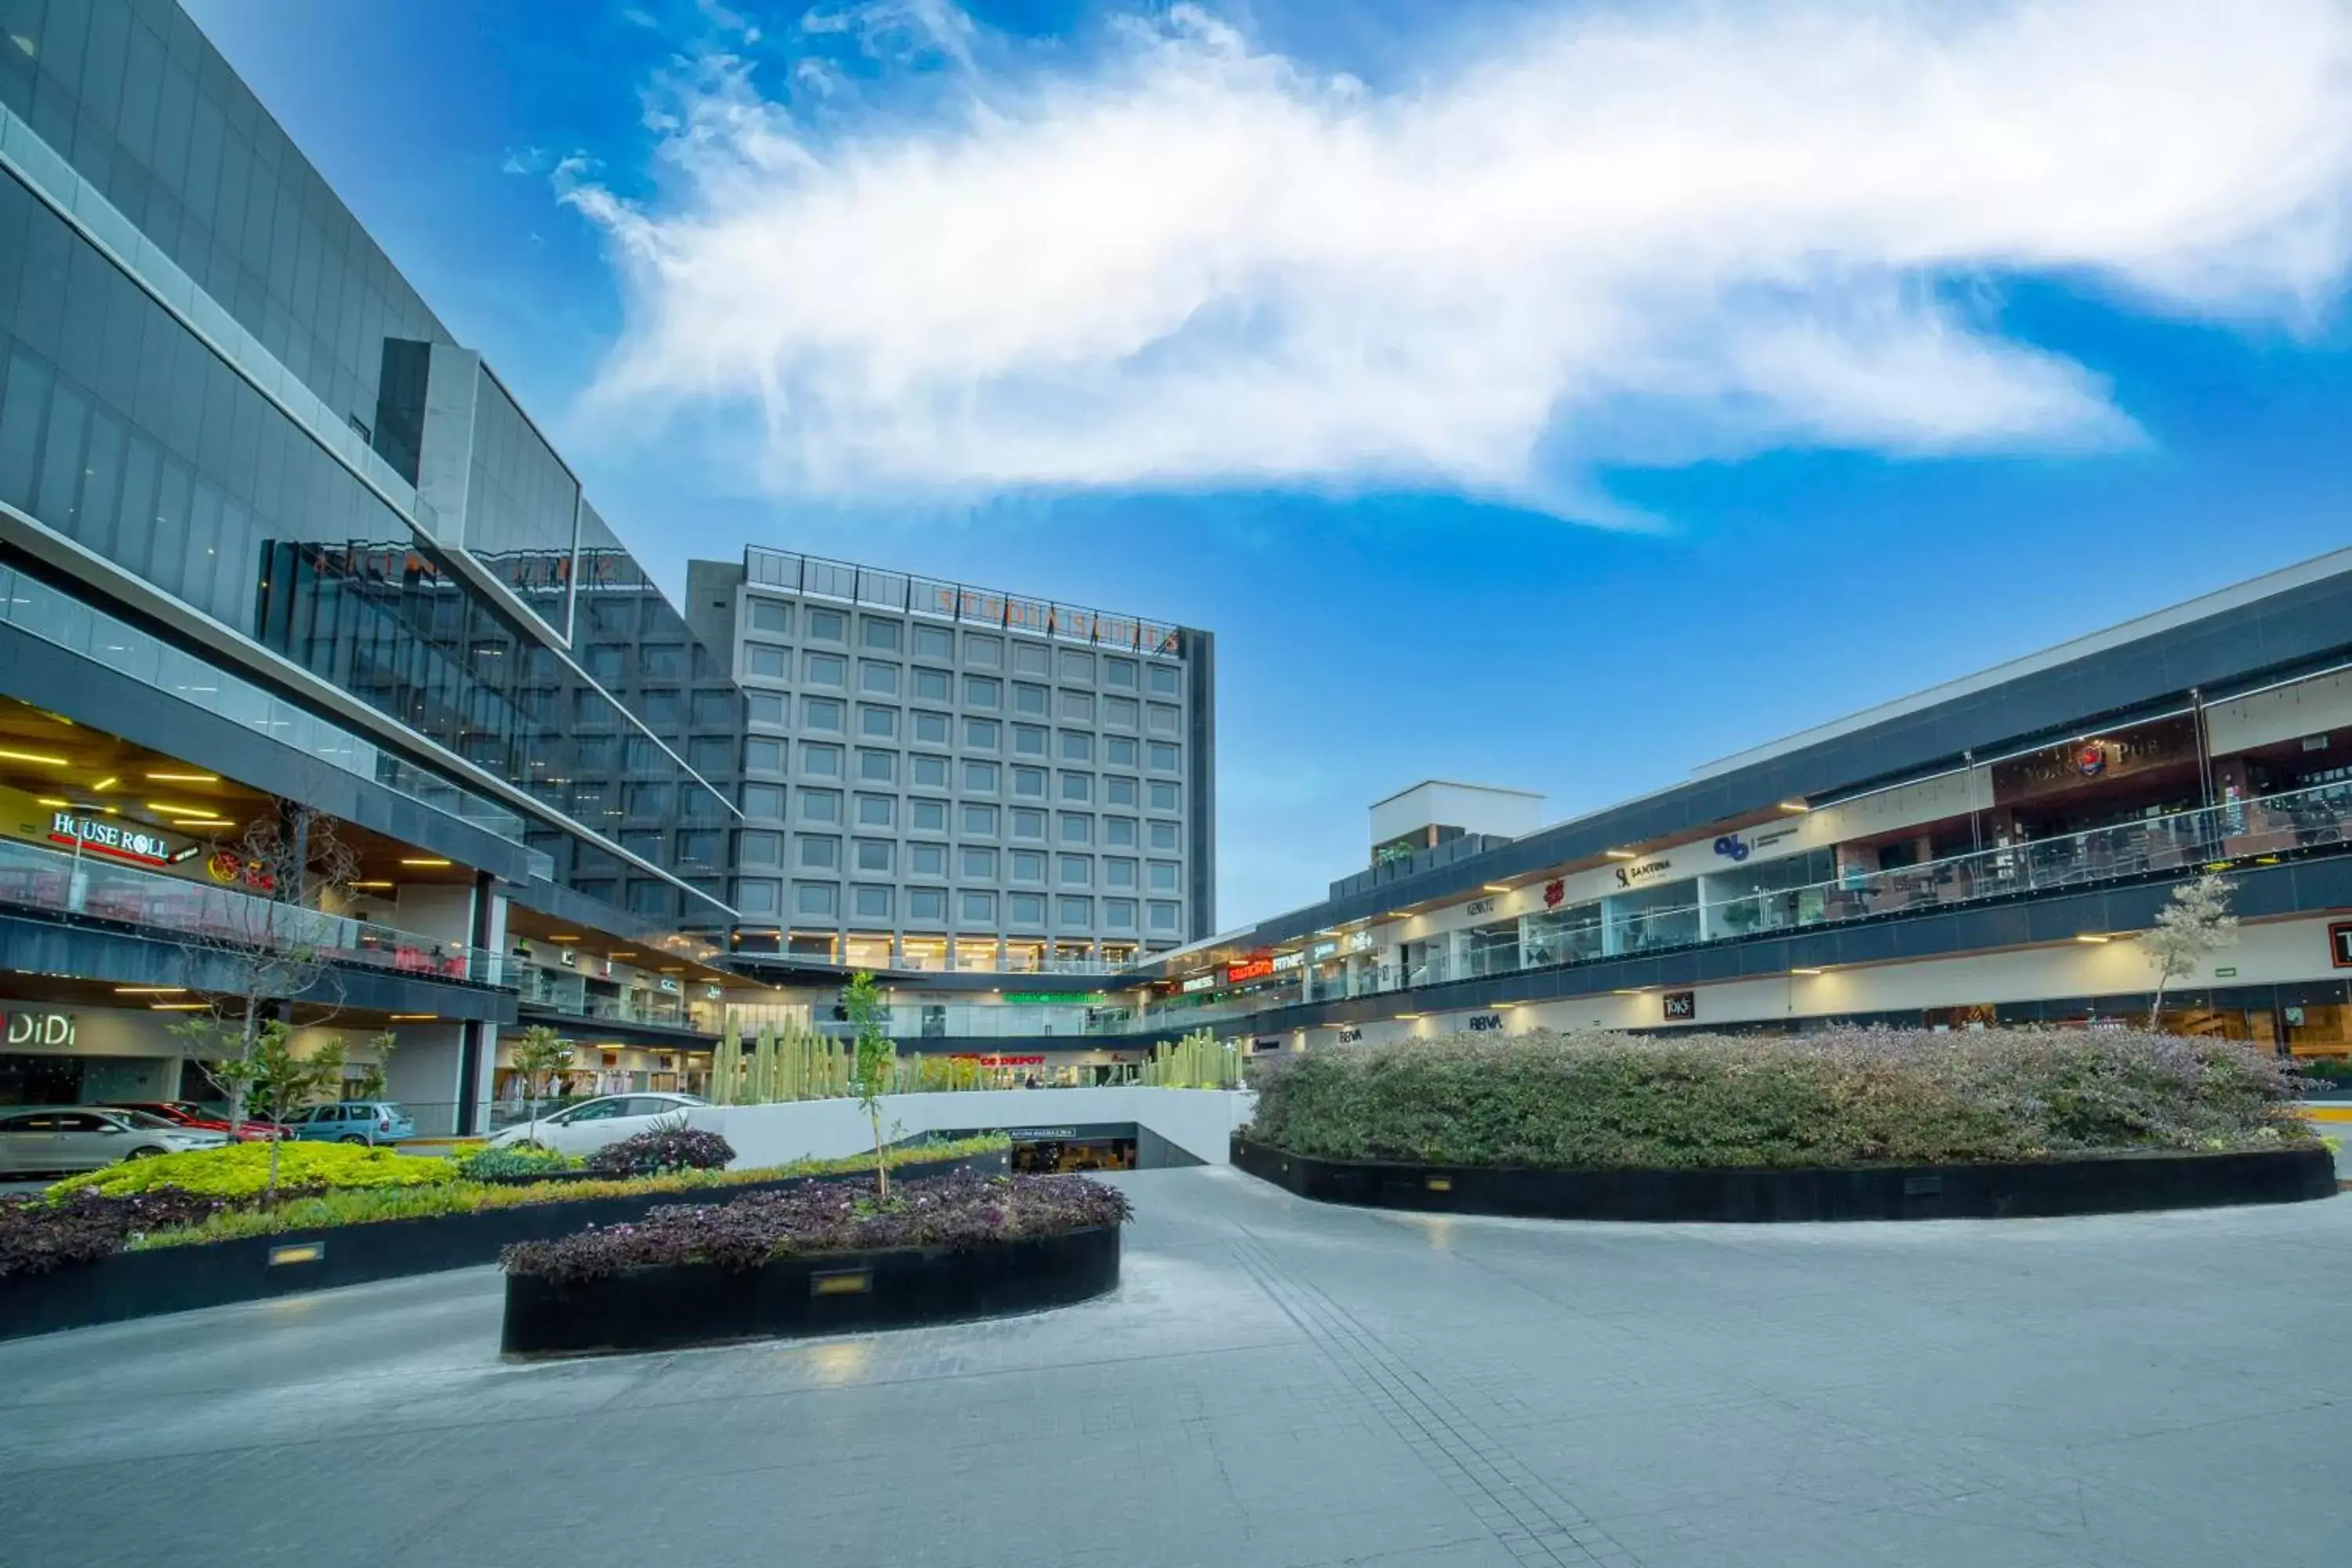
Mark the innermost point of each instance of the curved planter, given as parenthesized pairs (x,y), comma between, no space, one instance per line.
(2114,1185)
(704,1304)
(184,1278)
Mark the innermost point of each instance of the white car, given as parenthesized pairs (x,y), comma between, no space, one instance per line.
(54,1138)
(587,1127)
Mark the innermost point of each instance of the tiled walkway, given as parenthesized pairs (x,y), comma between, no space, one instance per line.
(1283,1385)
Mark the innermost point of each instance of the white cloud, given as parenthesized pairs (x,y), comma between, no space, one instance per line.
(1647,233)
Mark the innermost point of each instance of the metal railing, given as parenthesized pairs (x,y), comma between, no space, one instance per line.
(2273,827)
(851,585)
(1011,963)
(81,887)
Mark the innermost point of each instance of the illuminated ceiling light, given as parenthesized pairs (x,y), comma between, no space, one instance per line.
(169,810)
(2094,937)
(1804,971)
(413,1017)
(633,955)
(149,990)
(41,757)
(109,781)
(374,882)
(1406,1017)
(1794,806)
(177,1006)
(1620,854)
(1498,886)
(567,937)
(423,860)
(51,800)
(185,778)
(1629,991)
(202,822)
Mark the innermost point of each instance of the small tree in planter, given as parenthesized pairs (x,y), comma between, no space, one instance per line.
(540,1052)
(372,1084)
(268,1076)
(2194,924)
(876,1067)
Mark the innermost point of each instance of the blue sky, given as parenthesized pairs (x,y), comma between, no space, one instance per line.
(1523,393)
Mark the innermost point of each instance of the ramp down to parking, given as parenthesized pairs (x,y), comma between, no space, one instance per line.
(1198,1122)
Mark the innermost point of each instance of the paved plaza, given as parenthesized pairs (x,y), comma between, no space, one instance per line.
(1282,1384)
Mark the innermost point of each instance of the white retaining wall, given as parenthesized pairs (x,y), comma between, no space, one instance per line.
(1197,1121)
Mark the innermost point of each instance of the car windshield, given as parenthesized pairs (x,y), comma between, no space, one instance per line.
(143,1120)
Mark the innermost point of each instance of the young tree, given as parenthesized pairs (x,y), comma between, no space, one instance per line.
(2194,924)
(268,1075)
(540,1052)
(876,1059)
(372,1083)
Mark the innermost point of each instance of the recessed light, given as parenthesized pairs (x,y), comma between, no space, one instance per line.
(413,1017)
(149,990)
(1498,886)
(1804,971)
(377,882)
(109,781)
(2092,936)
(50,800)
(423,860)
(177,1006)
(185,778)
(169,810)
(1631,991)
(1794,806)
(1619,854)
(41,757)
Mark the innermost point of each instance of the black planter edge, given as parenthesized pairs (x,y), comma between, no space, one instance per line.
(698,1305)
(168,1279)
(2120,1184)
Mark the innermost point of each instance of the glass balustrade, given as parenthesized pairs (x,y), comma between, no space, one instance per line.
(84,888)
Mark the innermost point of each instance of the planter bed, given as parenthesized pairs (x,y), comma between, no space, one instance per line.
(2114,1183)
(668,1307)
(157,1280)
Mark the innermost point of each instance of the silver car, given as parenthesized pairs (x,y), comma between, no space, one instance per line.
(587,1127)
(65,1138)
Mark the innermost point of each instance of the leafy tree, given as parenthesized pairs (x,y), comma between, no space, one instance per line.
(2194,924)
(268,1073)
(540,1052)
(372,1083)
(876,1064)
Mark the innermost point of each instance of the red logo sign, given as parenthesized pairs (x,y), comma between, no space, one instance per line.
(2090,761)
(1255,969)
(1554,890)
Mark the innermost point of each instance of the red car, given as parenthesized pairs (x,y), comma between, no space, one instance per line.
(189,1114)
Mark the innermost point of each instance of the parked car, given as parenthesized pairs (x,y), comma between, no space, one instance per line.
(587,1127)
(188,1113)
(354,1121)
(39,1140)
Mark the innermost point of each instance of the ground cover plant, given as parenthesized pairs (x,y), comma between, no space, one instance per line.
(961,1211)
(482,1161)
(241,1172)
(656,1149)
(1856,1096)
(38,1235)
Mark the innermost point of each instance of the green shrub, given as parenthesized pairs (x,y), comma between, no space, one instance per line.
(481,1162)
(239,1171)
(1845,1097)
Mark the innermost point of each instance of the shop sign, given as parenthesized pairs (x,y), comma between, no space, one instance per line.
(1737,847)
(1198,983)
(1554,891)
(997,1061)
(1361,941)
(142,845)
(229,868)
(1479,907)
(21,1029)
(1057,998)
(1273,1044)
(1350,1035)
(1251,969)
(570,958)
(1039,1134)
(1485,1023)
(2339,943)
(714,993)
(1286,961)
(668,984)
(1641,871)
(2228,973)
(1323,950)
(1681,1007)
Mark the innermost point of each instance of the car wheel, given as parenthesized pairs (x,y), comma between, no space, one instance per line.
(142,1155)
(351,1138)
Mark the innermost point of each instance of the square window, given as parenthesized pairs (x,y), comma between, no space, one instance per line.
(757,848)
(1028,824)
(934,642)
(1120,712)
(927,772)
(1028,741)
(1078,707)
(875,766)
(983,652)
(876,723)
(771,616)
(1163,875)
(821,715)
(976,863)
(755,896)
(1163,796)
(1074,870)
(1163,756)
(1167,681)
(1159,718)
(820,761)
(818,852)
(1075,914)
(927,859)
(1074,664)
(980,776)
(1118,751)
(821,901)
(1025,909)
(1079,787)
(876,678)
(1030,658)
(1029,783)
(933,685)
(824,670)
(878,810)
(763,800)
(765,708)
(977,907)
(1163,836)
(983,691)
(768,662)
(1164,917)
(1120,831)
(1119,790)
(1077,827)
(980,820)
(1118,871)
(980,734)
(820,805)
(828,626)
(1027,866)
(878,634)
(870,903)
(1119,914)
(1118,672)
(927,905)
(927,815)
(875,854)
(1028,699)
(928,728)
(1077,746)
(763,755)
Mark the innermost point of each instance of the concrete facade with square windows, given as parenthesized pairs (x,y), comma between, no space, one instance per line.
(934,776)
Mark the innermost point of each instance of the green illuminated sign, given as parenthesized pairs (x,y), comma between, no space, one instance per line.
(1058,998)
